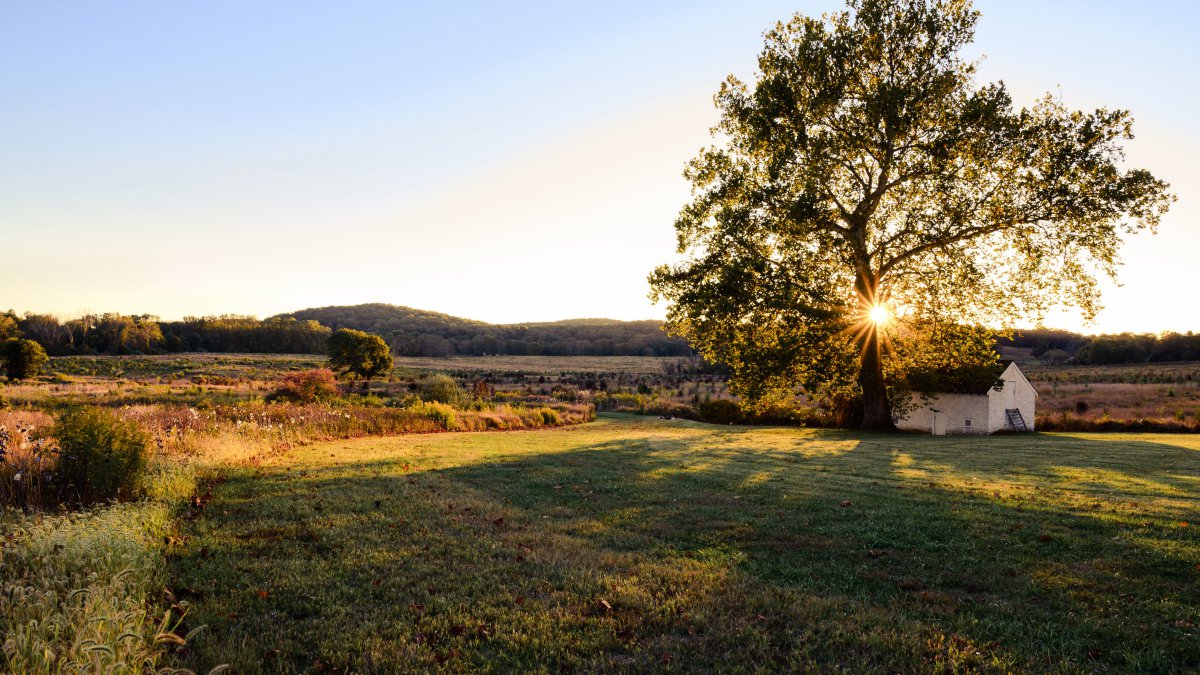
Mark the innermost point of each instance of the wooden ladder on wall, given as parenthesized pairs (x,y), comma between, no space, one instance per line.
(1016,422)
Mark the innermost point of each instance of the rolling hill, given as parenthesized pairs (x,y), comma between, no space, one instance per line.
(416,332)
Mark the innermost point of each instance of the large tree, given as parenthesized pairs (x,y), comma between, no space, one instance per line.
(866,170)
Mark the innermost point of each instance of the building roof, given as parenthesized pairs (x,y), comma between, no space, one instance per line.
(975,381)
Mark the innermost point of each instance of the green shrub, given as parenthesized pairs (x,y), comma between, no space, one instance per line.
(101,456)
(440,413)
(549,416)
(440,388)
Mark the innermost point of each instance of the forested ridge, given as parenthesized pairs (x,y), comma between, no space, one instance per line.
(415,332)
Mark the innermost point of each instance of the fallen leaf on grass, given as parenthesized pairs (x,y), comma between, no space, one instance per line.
(604,603)
(417,607)
(262,595)
(1045,538)
(847,502)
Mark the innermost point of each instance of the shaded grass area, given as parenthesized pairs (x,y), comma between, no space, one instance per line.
(638,544)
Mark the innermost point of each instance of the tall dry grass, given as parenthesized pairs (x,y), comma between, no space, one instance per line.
(27,458)
(84,591)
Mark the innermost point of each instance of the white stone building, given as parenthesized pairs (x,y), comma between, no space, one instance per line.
(985,410)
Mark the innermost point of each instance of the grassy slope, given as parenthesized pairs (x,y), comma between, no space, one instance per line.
(638,544)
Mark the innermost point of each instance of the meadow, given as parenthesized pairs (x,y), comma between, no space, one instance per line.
(637,544)
(85,523)
(1134,397)
(353,534)
(1159,396)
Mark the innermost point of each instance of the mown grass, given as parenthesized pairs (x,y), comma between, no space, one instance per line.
(636,544)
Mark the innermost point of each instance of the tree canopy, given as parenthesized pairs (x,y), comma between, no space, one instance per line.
(865,168)
(360,354)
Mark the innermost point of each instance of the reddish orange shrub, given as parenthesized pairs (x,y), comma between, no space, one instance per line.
(306,386)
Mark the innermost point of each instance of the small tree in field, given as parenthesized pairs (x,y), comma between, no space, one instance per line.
(869,201)
(23,359)
(362,355)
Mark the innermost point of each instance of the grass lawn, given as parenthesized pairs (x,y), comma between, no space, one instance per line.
(639,544)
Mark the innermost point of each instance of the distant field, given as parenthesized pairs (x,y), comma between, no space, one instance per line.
(541,365)
(182,366)
(634,544)
(269,365)
(1165,395)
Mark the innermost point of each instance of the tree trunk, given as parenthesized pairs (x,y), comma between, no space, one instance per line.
(877,412)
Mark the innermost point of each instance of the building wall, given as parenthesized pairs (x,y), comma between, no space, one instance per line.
(1017,393)
(956,408)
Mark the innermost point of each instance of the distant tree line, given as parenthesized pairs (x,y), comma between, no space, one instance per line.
(414,332)
(1068,347)
(113,333)
(233,333)
(411,332)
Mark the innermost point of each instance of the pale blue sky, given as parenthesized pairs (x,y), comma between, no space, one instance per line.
(500,161)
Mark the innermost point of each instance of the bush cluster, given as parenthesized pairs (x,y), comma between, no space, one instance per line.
(440,388)
(440,413)
(307,386)
(101,456)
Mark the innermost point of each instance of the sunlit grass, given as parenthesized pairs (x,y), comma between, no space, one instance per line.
(84,592)
(634,544)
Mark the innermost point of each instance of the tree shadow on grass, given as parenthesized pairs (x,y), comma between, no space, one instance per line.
(718,549)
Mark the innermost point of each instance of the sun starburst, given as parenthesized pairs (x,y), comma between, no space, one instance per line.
(879,315)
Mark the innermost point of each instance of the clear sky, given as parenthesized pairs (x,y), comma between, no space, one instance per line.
(507,162)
